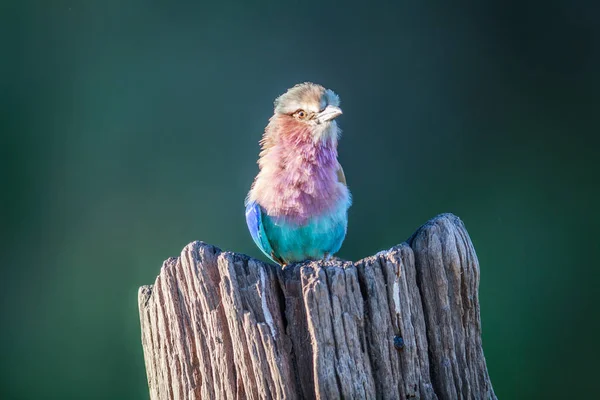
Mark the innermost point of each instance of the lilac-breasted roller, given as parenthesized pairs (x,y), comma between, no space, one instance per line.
(297,208)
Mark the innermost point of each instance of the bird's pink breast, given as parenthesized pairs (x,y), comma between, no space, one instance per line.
(298,178)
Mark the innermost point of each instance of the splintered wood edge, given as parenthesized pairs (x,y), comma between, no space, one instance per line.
(145,291)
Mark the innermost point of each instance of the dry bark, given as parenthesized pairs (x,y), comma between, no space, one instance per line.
(401,324)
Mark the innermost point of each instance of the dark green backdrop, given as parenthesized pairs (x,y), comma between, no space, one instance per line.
(130,128)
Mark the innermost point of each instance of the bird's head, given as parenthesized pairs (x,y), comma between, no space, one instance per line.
(310,110)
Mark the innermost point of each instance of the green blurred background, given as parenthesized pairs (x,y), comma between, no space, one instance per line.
(129,129)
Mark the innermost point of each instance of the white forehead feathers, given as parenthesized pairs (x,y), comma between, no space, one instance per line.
(306,96)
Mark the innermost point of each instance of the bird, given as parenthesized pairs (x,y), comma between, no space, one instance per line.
(297,206)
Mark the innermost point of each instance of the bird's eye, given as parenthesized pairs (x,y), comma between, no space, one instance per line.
(301,114)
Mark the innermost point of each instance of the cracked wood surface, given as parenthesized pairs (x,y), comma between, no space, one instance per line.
(401,324)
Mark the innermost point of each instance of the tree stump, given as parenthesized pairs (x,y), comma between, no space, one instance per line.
(401,324)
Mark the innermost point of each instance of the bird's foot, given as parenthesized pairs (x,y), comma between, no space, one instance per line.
(279,260)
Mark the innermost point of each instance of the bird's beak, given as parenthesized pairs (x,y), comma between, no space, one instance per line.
(328,114)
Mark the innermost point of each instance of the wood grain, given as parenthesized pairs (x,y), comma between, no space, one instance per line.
(401,324)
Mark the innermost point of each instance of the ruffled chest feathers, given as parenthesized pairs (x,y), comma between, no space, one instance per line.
(298,180)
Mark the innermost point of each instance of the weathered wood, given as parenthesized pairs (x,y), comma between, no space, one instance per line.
(401,324)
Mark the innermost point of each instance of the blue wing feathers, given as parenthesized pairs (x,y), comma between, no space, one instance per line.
(256,228)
